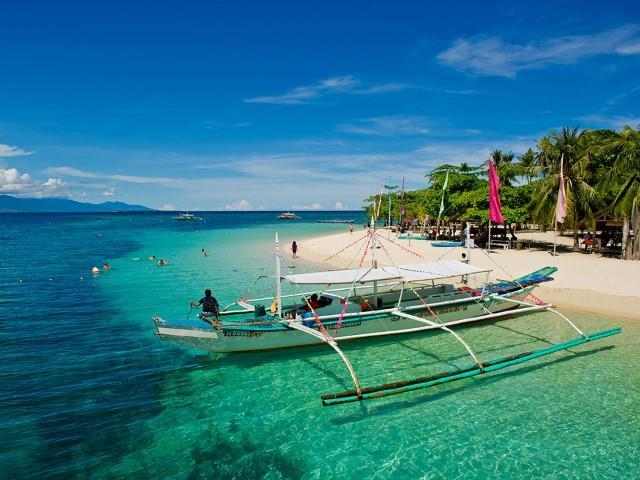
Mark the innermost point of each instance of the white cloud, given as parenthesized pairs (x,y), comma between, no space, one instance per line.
(345,84)
(313,206)
(339,206)
(213,125)
(74,172)
(241,206)
(471,152)
(109,193)
(492,56)
(389,126)
(21,184)
(11,151)
(168,207)
(12,181)
(53,183)
(610,121)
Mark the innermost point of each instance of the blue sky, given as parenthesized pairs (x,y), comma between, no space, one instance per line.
(281,105)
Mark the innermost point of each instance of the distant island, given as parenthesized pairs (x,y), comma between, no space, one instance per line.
(9,204)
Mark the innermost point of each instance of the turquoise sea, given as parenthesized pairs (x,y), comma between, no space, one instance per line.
(88,391)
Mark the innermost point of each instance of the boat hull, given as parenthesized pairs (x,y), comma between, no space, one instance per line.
(241,338)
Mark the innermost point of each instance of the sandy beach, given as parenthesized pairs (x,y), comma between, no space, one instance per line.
(587,282)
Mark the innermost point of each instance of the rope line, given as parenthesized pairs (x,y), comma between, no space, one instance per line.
(366,249)
(345,248)
(344,310)
(402,247)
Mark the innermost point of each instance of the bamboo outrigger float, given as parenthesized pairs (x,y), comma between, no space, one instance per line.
(376,302)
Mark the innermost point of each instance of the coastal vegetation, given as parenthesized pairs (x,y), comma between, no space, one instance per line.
(600,168)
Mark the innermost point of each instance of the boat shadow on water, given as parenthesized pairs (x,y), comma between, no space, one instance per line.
(424,398)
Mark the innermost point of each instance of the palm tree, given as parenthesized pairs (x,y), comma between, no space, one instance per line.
(527,165)
(507,170)
(626,150)
(582,199)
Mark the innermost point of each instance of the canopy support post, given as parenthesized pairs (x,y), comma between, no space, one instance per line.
(400,298)
(467,242)
(278,279)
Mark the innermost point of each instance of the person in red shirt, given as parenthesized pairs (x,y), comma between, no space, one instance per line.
(313,303)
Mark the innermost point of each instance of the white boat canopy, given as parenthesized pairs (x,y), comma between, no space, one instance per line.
(414,272)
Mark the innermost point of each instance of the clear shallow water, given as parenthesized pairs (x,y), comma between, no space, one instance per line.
(87,390)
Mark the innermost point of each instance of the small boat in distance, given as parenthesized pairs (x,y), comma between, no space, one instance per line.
(336,220)
(446,244)
(413,236)
(187,217)
(288,216)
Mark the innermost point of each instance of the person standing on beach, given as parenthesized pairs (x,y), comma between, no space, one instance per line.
(294,248)
(210,306)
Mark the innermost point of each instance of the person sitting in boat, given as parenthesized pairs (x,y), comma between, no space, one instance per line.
(210,307)
(312,303)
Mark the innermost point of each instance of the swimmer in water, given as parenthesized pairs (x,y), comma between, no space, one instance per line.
(163,262)
(203,252)
(95,270)
(106,266)
(152,257)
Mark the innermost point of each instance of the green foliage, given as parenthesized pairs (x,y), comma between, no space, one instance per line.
(601,169)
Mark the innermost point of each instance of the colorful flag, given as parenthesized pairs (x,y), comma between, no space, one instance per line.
(561,204)
(444,189)
(495,207)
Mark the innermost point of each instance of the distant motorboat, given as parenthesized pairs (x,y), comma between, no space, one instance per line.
(187,217)
(288,216)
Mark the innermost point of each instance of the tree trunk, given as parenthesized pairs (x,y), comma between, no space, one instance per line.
(576,245)
(626,244)
(635,220)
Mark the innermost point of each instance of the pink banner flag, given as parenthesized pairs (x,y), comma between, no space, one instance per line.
(495,207)
(561,204)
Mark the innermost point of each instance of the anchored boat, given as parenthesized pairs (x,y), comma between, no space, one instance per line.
(288,216)
(187,217)
(413,236)
(373,302)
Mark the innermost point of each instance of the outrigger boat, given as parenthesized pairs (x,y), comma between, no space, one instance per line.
(187,217)
(446,244)
(336,220)
(288,216)
(373,302)
(413,236)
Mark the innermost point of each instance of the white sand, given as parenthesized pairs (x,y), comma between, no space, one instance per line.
(583,281)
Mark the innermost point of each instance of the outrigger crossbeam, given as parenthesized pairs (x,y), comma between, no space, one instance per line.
(471,371)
